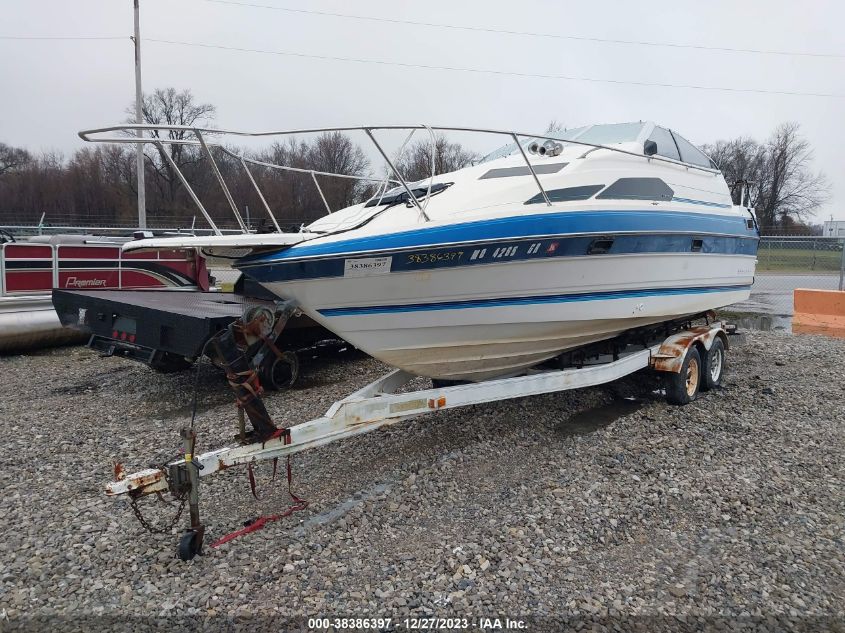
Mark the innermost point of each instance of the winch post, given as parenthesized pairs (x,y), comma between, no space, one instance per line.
(284,311)
(244,382)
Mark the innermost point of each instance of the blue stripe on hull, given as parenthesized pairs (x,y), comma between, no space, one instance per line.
(520,226)
(517,301)
(425,259)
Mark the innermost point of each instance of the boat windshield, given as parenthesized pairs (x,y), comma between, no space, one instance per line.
(611,133)
(606,134)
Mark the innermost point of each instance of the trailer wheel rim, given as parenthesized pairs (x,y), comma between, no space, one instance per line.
(715,364)
(692,377)
(284,371)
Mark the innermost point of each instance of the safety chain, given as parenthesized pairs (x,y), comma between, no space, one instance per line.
(152,529)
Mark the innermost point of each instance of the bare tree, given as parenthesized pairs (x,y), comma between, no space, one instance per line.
(739,159)
(789,188)
(12,158)
(785,189)
(294,195)
(554,128)
(336,153)
(415,163)
(167,106)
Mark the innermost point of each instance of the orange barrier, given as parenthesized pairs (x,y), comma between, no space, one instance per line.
(819,312)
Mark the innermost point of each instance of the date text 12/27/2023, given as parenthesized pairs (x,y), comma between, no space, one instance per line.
(419,624)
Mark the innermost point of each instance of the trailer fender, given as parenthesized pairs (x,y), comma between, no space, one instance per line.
(670,356)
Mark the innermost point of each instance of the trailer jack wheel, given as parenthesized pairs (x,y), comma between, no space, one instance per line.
(189,545)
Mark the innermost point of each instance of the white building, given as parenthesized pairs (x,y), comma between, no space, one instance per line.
(834,228)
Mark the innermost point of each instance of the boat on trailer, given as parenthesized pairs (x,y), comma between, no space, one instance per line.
(548,244)
(595,248)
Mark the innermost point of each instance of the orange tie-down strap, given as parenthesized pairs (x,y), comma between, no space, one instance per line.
(254,525)
(251,385)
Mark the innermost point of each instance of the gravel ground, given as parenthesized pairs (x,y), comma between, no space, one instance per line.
(575,509)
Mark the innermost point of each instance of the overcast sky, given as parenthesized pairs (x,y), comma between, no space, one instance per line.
(52,89)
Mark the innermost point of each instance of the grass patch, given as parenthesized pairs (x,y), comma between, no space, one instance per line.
(797,260)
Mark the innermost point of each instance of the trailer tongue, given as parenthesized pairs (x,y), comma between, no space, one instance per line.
(686,359)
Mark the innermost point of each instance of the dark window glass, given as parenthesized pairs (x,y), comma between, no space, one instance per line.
(398,194)
(690,153)
(665,144)
(567,194)
(522,170)
(600,246)
(638,189)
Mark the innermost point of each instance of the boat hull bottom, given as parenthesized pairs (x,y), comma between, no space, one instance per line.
(483,343)
(476,361)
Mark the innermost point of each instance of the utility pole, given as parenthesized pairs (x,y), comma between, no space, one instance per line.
(139,95)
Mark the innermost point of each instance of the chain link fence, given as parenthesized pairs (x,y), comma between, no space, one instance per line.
(785,263)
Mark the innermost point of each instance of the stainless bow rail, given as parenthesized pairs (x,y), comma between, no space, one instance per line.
(200,133)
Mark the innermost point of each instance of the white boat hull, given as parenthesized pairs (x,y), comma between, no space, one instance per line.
(489,269)
(499,319)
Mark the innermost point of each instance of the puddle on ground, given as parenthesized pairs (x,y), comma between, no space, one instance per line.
(599,417)
(762,322)
(334,513)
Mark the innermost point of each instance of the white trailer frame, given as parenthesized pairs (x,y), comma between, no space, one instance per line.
(381,403)
(377,405)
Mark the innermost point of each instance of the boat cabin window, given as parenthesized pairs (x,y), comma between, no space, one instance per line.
(567,194)
(691,154)
(522,170)
(665,143)
(638,189)
(398,194)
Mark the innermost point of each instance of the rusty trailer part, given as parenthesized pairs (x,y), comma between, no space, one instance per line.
(382,402)
(670,356)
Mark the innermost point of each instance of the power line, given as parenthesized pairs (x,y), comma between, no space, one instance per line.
(64,37)
(488,71)
(562,36)
(496,72)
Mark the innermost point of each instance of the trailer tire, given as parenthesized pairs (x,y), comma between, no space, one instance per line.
(280,373)
(713,366)
(682,388)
